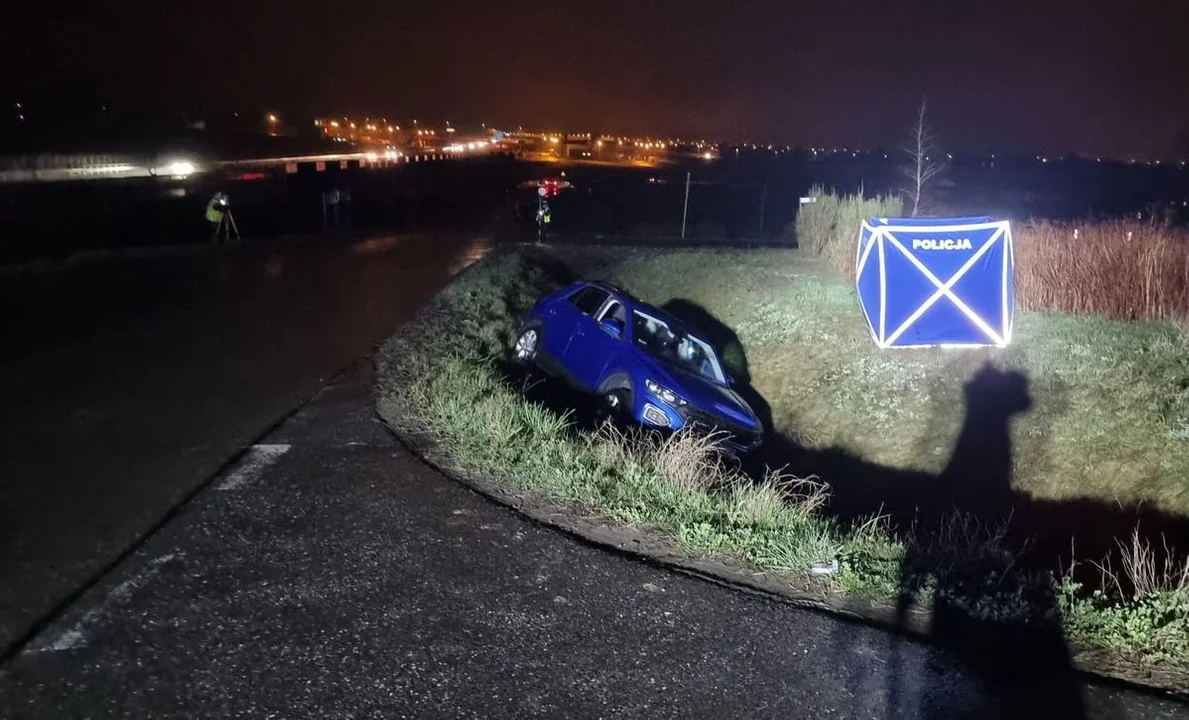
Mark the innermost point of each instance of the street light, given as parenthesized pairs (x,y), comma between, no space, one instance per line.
(272,119)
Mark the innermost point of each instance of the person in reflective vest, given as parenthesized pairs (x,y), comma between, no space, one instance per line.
(216,209)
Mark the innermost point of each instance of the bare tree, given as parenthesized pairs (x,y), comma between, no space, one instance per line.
(922,166)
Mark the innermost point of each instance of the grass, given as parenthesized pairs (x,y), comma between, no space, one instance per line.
(1124,270)
(677,485)
(1108,427)
(1110,400)
(1147,614)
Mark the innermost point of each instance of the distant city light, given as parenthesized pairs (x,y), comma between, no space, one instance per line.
(708,156)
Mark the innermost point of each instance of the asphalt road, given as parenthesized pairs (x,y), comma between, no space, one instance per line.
(126,380)
(331,574)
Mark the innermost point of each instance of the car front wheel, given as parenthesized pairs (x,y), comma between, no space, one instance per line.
(528,344)
(615,405)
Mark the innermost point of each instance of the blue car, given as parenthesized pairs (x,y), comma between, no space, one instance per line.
(638,360)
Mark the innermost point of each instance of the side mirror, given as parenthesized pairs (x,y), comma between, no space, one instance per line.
(613,328)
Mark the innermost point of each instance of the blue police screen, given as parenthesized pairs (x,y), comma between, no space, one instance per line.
(936,281)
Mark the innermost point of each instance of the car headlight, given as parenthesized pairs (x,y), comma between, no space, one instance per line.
(664,393)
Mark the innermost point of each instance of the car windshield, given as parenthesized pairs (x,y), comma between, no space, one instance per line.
(676,347)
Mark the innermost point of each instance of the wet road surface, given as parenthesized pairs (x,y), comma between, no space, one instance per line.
(128,379)
(330,574)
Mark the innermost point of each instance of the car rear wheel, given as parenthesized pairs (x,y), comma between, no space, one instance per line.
(528,344)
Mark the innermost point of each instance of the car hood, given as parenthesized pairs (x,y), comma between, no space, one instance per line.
(701,393)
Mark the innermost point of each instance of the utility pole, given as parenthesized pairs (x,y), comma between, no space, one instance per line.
(685,209)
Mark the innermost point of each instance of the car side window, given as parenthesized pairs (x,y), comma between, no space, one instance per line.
(615,314)
(588,300)
(614,311)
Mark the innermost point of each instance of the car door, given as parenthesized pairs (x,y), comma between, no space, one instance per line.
(562,318)
(593,345)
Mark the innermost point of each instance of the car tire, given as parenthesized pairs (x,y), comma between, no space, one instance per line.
(615,405)
(527,345)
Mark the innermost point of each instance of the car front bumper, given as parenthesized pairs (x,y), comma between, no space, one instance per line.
(734,436)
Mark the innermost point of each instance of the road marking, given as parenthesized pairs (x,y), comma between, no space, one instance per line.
(252,465)
(76,635)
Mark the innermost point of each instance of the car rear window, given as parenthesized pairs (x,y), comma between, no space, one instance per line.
(589,299)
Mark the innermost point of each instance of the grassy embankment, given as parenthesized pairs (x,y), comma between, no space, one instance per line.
(1100,432)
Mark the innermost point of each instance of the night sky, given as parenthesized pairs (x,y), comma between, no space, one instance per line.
(1033,76)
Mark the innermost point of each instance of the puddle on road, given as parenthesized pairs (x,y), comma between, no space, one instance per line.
(474,251)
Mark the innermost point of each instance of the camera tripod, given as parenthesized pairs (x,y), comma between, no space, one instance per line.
(225,229)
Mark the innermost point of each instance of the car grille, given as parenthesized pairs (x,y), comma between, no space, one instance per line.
(702,421)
